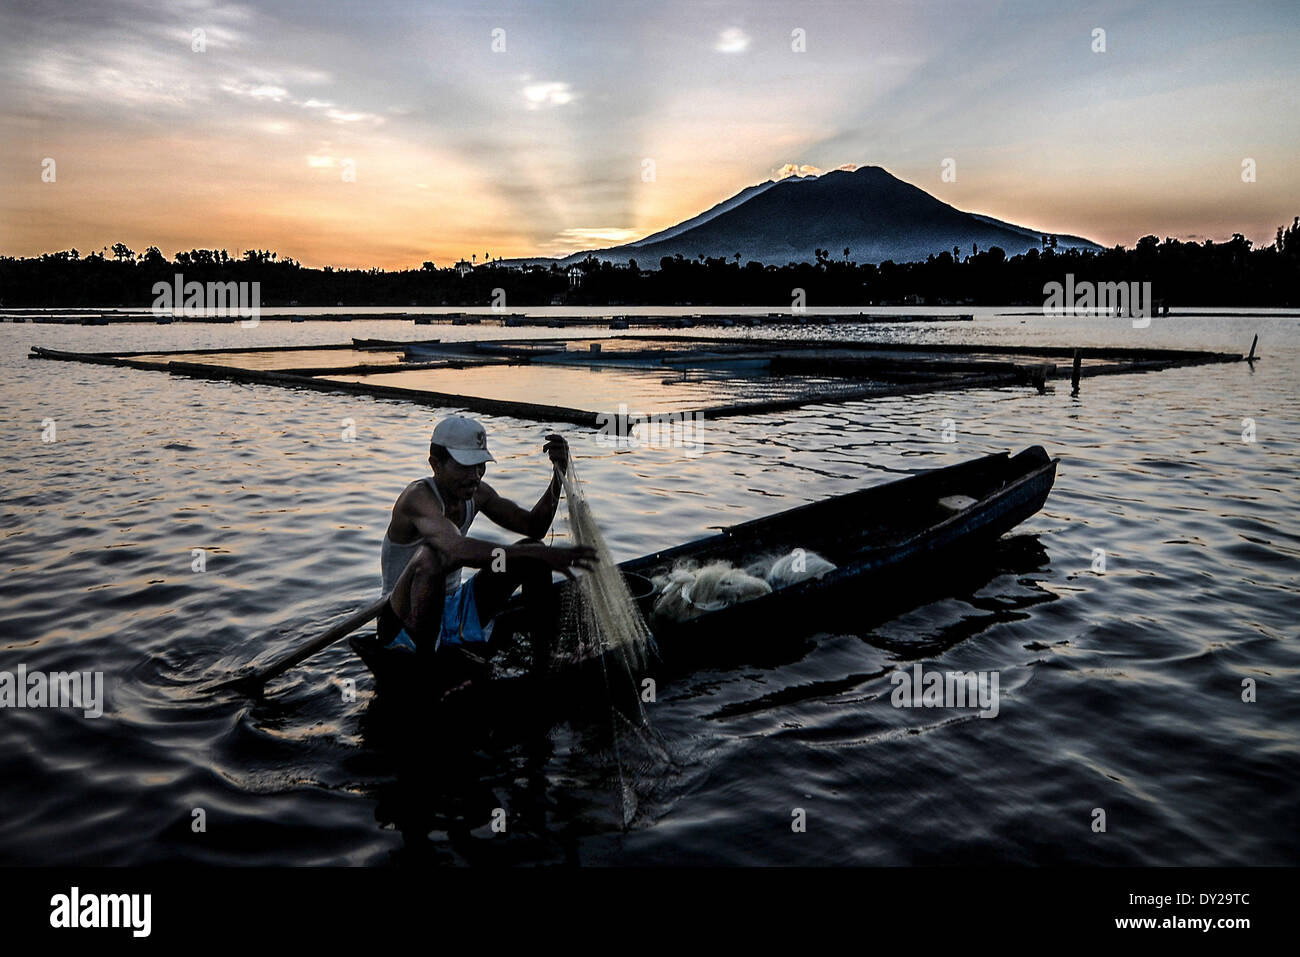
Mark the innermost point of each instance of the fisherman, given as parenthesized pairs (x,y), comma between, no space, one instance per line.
(431,617)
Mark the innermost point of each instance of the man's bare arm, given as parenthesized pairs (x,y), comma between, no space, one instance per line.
(458,550)
(512,517)
(535,523)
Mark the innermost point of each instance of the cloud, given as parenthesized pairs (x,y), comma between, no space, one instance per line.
(257,91)
(580,238)
(732,40)
(548,94)
(794,169)
(271,91)
(338,116)
(110,76)
(276,93)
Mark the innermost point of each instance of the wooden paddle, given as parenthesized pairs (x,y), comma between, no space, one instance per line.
(252,683)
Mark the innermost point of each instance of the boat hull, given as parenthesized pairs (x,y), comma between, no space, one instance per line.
(894,547)
(892,550)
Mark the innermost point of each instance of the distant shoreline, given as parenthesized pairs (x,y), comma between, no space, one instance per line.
(1172,274)
(543,316)
(601,315)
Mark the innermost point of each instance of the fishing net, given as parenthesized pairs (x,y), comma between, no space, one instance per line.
(600,621)
(598,613)
(687,590)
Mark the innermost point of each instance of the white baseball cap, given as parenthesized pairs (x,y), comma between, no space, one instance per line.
(464,439)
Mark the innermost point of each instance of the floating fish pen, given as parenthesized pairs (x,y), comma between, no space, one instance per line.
(73,316)
(481,317)
(710,320)
(585,380)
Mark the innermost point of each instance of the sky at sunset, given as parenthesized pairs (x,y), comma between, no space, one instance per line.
(539,148)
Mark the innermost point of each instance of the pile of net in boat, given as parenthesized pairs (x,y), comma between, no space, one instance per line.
(689,590)
(598,613)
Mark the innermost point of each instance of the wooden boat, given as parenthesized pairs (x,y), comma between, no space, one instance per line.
(389,343)
(523,348)
(894,546)
(420,351)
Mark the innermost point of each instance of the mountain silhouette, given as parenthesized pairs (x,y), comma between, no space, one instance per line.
(872,213)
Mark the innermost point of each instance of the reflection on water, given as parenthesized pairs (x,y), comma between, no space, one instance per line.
(1121,688)
(522,775)
(604,388)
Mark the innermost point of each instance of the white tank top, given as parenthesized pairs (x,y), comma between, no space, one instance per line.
(394,557)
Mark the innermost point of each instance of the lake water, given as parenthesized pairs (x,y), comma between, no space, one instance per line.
(1121,690)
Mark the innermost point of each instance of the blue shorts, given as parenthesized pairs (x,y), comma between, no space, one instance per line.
(460,621)
(460,624)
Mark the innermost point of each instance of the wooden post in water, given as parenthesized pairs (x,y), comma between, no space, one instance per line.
(1253,343)
(1074,375)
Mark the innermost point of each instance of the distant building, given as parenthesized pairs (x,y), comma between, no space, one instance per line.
(464,268)
(576,274)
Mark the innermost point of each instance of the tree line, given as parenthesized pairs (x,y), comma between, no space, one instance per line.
(1182,273)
